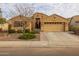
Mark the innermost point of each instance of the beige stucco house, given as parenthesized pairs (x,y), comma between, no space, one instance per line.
(41,22)
(4,26)
(74,20)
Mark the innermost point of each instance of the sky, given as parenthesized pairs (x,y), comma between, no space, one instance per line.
(66,10)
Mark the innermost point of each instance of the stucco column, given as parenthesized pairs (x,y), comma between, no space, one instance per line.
(30,26)
(66,27)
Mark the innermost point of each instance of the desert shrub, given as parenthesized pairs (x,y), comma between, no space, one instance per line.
(70,28)
(11,31)
(19,31)
(23,31)
(27,30)
(75,29)
(0,29)
(34,32)
(27,36)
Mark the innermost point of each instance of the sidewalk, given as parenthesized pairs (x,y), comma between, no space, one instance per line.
(35,44)
(23,44)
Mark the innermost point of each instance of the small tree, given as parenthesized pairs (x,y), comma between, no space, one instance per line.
(26,10)
(2,21)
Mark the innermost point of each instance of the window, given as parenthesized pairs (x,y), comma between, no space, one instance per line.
(77,21)
(52,22)
(54,17)
(19,23)
(42,16)
(37,15)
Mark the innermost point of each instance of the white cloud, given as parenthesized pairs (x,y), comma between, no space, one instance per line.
(63,9)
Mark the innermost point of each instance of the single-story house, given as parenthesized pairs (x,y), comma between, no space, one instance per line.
(74,21)
(4,27)
(40,22)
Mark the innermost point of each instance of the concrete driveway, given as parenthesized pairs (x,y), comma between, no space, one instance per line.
(60,39)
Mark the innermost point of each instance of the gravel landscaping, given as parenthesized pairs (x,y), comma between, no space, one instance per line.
(14,37)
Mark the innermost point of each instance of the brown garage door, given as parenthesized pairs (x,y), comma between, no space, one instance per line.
(53,26)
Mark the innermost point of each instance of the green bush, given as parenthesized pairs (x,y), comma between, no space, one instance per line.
(32,32)
(23,31)
(28,31)
(27,36)
(75,29)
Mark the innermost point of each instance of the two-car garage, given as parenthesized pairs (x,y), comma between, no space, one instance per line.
(53,26)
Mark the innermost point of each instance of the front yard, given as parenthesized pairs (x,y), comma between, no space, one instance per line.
(44,39)
(14,37)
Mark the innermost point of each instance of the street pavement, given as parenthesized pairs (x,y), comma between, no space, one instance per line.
(39,51)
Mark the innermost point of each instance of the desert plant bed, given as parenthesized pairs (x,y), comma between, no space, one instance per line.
(15,37)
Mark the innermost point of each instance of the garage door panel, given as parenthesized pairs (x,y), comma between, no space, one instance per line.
(53,27)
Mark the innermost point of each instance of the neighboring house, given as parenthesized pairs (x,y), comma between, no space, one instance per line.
(3,24)
(40,22)
(4,27)
(74,21)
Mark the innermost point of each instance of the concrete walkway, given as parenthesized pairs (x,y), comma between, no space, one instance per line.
(47,39)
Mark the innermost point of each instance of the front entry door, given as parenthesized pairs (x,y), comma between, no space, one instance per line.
(38,23)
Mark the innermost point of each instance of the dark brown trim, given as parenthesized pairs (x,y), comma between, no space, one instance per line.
(64,25)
